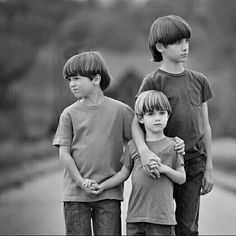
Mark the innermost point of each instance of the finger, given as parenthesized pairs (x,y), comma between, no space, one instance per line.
(85,183)
(156,172)
(95,186)
(148,172)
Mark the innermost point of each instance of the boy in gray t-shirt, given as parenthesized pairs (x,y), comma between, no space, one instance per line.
(151,208)
(90,136)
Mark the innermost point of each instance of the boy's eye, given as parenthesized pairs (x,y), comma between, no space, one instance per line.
(163,112)
(150,113)
(178,42)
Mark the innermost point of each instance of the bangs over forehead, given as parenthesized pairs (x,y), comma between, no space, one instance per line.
(88,64)
(151,100)
(169,29)
(84,63)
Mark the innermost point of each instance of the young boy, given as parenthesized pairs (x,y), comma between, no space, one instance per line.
(188,92)
(151,204)
(90,137)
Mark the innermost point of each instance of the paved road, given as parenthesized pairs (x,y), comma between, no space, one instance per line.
(35,209)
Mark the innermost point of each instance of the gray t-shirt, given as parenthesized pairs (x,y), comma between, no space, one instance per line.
(96,135)
(186,92)
(151,200)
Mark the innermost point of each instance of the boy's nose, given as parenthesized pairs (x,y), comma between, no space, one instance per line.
(185,46)
(72,83)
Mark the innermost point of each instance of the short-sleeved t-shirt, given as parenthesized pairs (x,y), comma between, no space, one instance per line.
(151,200)
(96,135)
(186,93)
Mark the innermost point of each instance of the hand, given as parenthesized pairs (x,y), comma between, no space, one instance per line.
(147,157)
(96,191)
(207,181)
(161,168)
(89,183)
(89,186)
(179,146)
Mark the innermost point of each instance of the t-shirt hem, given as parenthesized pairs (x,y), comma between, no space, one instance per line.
(152,221)
(76,199)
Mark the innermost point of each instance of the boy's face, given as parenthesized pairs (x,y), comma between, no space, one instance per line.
(176,52)
(155,122)
(80,86)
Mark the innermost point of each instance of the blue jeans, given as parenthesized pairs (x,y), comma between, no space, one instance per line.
(105,216)
(187,197)
(143,228)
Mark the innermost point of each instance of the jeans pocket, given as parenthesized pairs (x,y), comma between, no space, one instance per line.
(196,167)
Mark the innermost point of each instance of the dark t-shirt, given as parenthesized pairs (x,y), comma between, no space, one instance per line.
(186,92)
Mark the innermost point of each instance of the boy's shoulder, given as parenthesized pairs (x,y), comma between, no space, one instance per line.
(158,74)
(117,103)
(196,74)
(70,108)
(133,150)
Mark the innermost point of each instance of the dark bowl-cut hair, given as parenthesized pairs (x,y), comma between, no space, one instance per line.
(88,64)
(167,30)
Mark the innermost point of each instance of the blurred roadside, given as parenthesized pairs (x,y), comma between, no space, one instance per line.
(223,159)
(16,176)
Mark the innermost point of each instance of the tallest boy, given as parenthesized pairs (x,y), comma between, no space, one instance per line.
(188,92)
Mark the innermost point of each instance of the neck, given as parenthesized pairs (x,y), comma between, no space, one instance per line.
(94,99)
(172,67)
(154,136)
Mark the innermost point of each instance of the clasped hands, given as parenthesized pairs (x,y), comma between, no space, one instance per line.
(152,163)
(91,187)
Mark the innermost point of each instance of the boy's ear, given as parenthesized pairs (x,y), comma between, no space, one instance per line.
(160,48)
(97,79)
(140,119)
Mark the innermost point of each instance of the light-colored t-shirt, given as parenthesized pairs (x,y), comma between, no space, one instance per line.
(96,135)
(151,200)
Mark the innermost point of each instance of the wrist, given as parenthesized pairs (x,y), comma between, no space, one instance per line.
(80,183)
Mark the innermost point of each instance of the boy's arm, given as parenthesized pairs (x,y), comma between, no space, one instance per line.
(145,154)
(69,164)
(113,181)
(116,179)
(178,176)
(207,182)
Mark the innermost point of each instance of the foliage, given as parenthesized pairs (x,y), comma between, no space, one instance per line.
(38,36)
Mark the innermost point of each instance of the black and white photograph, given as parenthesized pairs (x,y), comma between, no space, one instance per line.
(117,117)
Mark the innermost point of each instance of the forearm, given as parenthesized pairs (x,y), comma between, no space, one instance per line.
(70,166)
(116,179)
(178,177)
(138,135)
(208,143)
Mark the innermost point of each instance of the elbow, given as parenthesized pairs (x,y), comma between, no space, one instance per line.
(182,180)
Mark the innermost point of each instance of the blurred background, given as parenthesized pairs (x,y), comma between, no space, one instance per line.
(37,37)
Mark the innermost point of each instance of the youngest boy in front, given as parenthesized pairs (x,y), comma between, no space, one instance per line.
(151,208)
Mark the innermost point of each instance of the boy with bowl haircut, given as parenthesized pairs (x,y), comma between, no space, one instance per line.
(188,92)
(151,209)
(90,136)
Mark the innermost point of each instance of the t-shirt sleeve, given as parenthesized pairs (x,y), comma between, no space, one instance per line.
(128,117)
(147,84)
(207,92)
(63,136)
(127,159)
